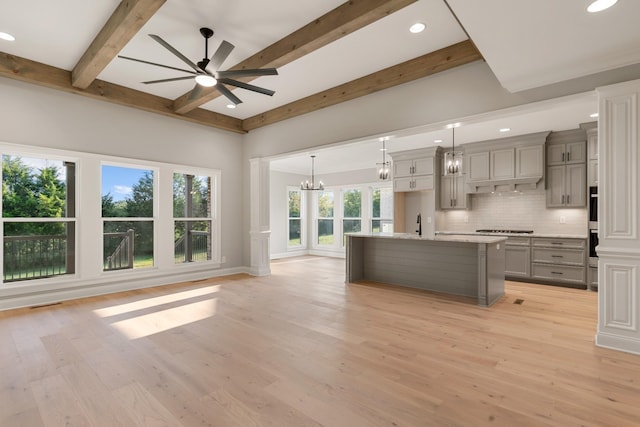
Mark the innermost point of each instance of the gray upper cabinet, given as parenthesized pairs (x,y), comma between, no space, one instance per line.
(569,153)
(529,161)
(453,194)
(478,166)
(566,169)
(502,164)
(506,164)
(414,170)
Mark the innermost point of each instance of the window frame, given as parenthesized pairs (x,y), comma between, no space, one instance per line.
(213,218)
(43,154)
(301,218)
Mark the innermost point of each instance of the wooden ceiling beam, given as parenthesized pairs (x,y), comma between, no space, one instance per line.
(341,21)
(17,68)
(423,66)
(124,23)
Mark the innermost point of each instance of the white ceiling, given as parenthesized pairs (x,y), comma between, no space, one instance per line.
(526,44)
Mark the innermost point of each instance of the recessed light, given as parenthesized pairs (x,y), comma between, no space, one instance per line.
(600,5)
(505,129)
(453,125)
(418,27)
(594,115)
(6,36)
(437,141)
(231,106)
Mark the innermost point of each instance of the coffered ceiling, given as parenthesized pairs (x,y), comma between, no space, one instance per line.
(326,51)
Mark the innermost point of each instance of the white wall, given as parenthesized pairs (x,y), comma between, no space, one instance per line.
(35,116)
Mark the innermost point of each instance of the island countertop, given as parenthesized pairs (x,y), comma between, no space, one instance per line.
(461,238)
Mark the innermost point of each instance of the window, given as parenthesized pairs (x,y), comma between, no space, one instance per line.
(294,225)
(38,215)
(192,213)
(382,210)
(351,212)
(127,212)
(325,218)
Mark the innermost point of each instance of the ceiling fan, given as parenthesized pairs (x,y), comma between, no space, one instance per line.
(207,72)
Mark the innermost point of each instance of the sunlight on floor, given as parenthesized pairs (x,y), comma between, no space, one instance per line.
(163,319)
(160,321)
(156,301)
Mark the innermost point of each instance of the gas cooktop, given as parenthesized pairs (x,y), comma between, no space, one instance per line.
(505,231)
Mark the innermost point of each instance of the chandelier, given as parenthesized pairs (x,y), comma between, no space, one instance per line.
(453,158)
(383,172)
(306,185)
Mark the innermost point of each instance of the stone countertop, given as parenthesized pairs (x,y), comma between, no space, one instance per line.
(544,235)
(462,238)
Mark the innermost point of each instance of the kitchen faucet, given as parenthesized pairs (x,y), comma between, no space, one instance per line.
(419,221)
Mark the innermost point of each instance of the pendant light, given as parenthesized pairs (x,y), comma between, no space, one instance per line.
(453,158)
(383,172)
(306,185)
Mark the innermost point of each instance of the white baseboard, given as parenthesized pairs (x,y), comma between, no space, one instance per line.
(618,342)
(290,254)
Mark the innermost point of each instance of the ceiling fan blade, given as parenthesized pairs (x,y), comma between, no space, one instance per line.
(226,92)
(174,51)
(248,73)
(221,54)
(157,65)
(175,79)
(247,86)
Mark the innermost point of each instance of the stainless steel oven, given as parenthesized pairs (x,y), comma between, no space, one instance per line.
(593,244)
(593,207)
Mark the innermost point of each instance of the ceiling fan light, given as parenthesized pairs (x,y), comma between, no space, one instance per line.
(206,80)
(6,36)
(600,5)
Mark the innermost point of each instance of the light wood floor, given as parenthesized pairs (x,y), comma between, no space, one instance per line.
(300,348)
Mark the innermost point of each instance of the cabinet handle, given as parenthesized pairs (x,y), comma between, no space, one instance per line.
(557,243)
(563,156)
(563,199)
(556,272)
(567,199)
(569,156)
(557,256)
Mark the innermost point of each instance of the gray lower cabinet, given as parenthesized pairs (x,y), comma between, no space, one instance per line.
(517,258)
(559,260)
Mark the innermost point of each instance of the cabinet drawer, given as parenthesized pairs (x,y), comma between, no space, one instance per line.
(518,241)
(558,273)
(558,256)
(558,243)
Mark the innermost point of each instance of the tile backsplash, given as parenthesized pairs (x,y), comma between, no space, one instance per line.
(514,210)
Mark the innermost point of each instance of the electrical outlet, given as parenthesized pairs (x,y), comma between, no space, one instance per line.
(563,219)
(428,220)
(466,218)
(223,259)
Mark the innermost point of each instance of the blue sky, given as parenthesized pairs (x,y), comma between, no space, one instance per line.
(118,181)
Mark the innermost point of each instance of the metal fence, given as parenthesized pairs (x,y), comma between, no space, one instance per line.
(122,256)
(34,257)
(193,246)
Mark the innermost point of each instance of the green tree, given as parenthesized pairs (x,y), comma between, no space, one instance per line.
(140,203)
(376,203)
(325,204)
(352,204)
(294,204)
(32,193)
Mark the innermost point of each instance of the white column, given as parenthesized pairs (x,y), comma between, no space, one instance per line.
(619,218)
(259,226)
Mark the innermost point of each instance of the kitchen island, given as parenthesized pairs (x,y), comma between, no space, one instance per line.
(471,266)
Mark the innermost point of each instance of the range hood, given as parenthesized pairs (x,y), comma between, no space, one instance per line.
(504,185)
(515,163)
